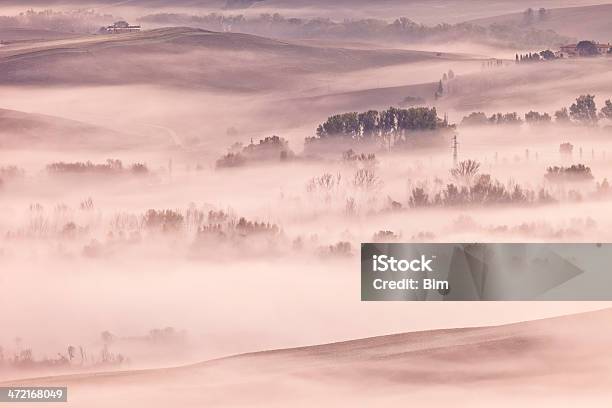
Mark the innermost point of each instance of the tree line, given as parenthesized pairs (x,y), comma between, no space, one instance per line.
(583,112)
(381,126)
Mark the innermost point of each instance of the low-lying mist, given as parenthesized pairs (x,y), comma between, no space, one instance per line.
(144,220)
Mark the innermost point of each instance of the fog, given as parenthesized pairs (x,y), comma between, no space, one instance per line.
(81,252)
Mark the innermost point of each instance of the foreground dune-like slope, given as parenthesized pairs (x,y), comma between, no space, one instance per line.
(553,361)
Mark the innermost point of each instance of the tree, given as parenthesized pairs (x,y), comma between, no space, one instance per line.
(505,119)
(369,123)
(465,171)
(440,90)
(562,115)
(587,49)
(584,110)
(107,337)
(71,352)
(606,111)
(475,119)
(528,16)
(418,198)
(537,118)
(451,74)
(542,14)
(548,55)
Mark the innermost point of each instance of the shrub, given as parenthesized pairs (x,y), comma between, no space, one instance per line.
(325,184)
(351,157)
(367,180)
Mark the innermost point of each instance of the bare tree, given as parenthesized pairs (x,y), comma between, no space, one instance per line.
(465,171)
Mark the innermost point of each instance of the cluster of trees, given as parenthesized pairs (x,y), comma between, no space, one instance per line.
(480,119)
(401,29)
(222,225)
(241,229)
(392,124)
(583,112)
(79,20)
(545,55)
(494,63)
(272,148)
(163,220)
(386,236)
(575,172)
(533,117)
(484,191)
(471,188)
(110,167)
(444,84)
(583,48)
(341,248)
(24,358)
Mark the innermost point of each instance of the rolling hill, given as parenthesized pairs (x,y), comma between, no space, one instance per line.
(556,360)
(20,130)
(12,34)
(187,57)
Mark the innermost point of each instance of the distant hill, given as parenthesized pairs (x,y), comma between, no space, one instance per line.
(427,12)
(590,22)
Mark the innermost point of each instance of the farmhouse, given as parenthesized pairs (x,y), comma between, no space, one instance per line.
(583,48)
(120,27)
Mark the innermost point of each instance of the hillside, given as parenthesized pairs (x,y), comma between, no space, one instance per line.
(186,57)
(590,22)
(20,130)
(558,359)
(12,34)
